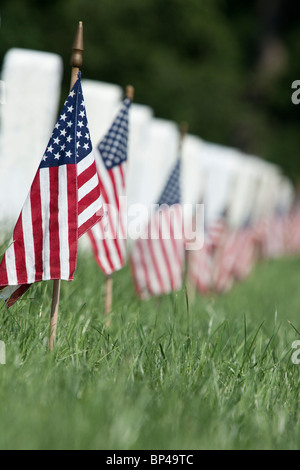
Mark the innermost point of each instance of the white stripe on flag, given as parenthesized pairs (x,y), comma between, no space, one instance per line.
(88,187)
(120,192)
(11,264)
(161,263)
(171,247)
(85,163)
(63,223)
(105,180)
(104,234)
(90,211)
(98,237)
(154,282)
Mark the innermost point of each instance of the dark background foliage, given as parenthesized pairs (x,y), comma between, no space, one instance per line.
(224,66)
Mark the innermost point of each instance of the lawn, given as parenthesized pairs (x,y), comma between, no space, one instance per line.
(165,375)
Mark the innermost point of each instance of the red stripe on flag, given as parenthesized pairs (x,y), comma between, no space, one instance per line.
(119,191)
(103,190)
(113,231)
(37,226)
(72,218)
(122,174)
(19,248)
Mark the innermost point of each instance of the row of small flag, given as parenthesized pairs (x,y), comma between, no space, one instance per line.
(74,191)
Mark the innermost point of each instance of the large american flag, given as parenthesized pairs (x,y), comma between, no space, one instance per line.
(157,257)
(108,237)
(64,202)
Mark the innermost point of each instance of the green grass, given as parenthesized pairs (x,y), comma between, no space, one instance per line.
(215,374)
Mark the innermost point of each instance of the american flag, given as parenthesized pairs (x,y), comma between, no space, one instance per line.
(64,202)
(224,261)
(157,257)
(245,251)
(292,231)
(201,262)
(199,270)
(275,244)
(235,257)
(216,231)
(108,237)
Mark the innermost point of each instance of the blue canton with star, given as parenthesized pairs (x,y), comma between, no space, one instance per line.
(113,147)
(70,141)
(172,193)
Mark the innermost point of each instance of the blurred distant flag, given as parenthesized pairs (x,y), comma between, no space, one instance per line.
(292,231)
(275,242)
(108,237)
(259,233)
(235,257)
(216,231)
(199,268)
(157,257)
(201,262)
(224,261)
(64,202)
(245,251)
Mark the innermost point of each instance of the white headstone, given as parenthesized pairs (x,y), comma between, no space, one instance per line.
(139,134)
(32,91)
(266,194)
(221,165)
(242,205)
(159,158)
(102,101)
(155,165)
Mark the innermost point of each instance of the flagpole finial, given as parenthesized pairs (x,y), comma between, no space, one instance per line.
(130,92)
(183,129)
(76,57)
(77,50)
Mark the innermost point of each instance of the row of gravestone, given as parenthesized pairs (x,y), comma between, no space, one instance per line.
(216,175)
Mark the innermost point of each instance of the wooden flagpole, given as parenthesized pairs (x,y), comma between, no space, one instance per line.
(109,279)
(130,92)
(76,63)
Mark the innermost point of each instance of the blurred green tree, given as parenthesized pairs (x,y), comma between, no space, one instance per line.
(224,66)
